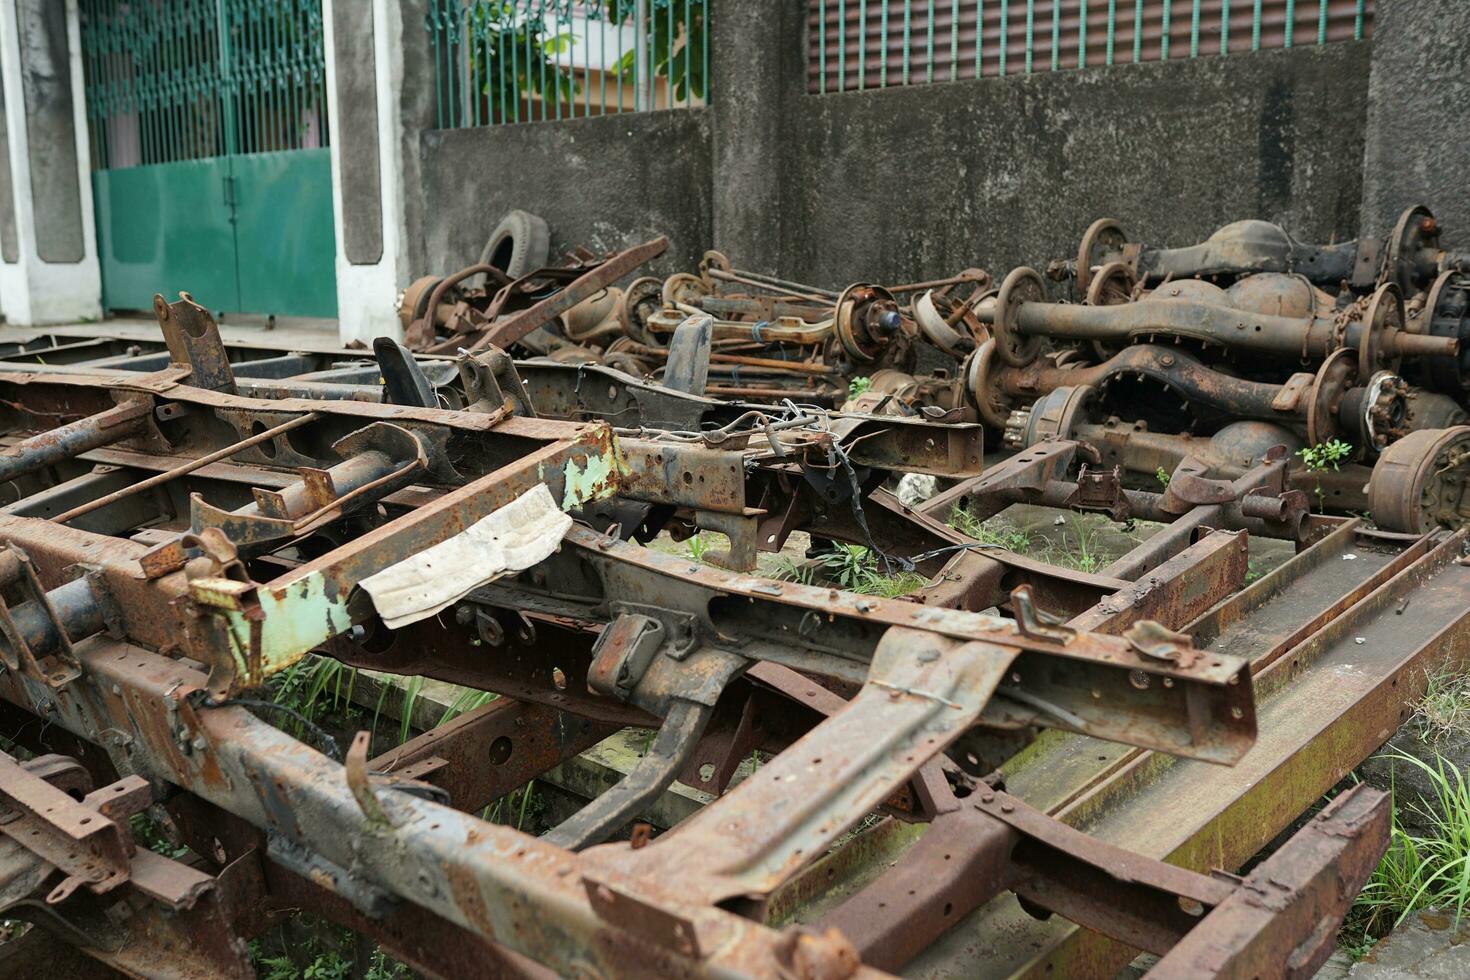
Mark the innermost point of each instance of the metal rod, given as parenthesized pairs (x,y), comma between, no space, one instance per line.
(796,367)
(745,278)
(186,468)
(65,441)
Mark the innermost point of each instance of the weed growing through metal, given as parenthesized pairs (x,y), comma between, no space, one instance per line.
(1162,475)
(858,385)
(522,803)
(148,832)
(697,547)
(467,700)
(1252,571)
(1321,456)
(1419,872)
(326,953)
(310,687)
(790,570)
(855,568)
(1444,712)
(995,531)
(1084,555)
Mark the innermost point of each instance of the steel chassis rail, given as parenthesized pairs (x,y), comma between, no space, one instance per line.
(137,652)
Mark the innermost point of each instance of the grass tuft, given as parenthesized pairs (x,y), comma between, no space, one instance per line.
(995,531)
(856,569)
(1444,713)
(1418,871)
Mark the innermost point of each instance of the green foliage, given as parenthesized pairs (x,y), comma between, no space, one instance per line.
(1162,475)
(1318,458)
(857,386)
(516,808)
(311,685)
(467,700)
(1325,454)
(1080,549)
(697,546)
(801,573)
(995,531)
(1419,872)
(676,19)
(510,57)
(325,953)
(511,50)
(855,568)
(149,833)
(1444,711)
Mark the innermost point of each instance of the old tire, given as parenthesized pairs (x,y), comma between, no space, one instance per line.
(519,245)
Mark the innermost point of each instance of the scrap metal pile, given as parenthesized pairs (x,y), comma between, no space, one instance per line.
(1017,768)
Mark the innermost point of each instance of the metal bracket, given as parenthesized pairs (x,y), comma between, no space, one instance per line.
(194,342)
(79,838)
(55,670)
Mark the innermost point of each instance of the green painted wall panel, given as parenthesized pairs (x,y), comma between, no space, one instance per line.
(163,228)
(167,227)
(284,233)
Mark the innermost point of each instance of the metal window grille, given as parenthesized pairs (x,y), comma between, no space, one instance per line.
(862,44)
(513,61)
(171,80)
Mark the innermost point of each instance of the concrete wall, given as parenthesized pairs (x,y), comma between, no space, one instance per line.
(605,183)
(1418,142)
(48,243)
(909,183)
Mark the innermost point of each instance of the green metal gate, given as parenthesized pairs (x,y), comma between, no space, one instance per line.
(211,173)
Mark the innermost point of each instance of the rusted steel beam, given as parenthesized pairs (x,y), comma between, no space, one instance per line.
(486,753)
(1319,719)
(1274,918)
(799,626)
(683,904)
(187,468)
(488,878)
(505,332)
(73,438)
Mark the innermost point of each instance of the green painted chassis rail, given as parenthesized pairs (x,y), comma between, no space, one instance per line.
(271,626)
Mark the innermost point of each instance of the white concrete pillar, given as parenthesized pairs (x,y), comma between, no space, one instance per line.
(48,241)
(364,54)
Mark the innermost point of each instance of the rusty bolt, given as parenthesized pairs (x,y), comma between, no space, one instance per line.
(1007,807)
(830,956)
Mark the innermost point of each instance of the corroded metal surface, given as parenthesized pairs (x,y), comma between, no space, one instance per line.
(1075,752)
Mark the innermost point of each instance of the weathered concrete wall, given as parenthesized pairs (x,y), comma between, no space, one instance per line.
(605,183)
(357,103)
(909,183)
(9,240)
(751,129)
(51,123)
(1418,134)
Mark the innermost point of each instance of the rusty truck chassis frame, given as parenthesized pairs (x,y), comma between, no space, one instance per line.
(135,654)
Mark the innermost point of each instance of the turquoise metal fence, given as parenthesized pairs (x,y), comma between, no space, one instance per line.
(207,121)
(513,61)
(863,44)
(171,80)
